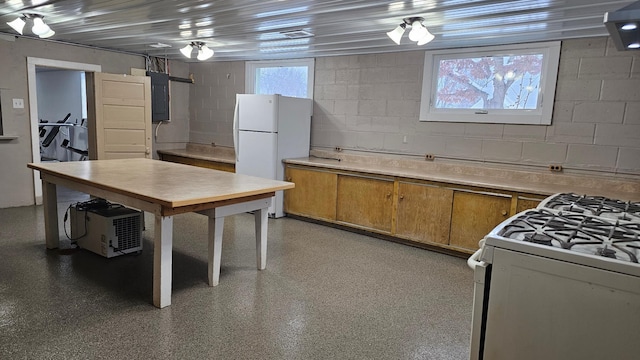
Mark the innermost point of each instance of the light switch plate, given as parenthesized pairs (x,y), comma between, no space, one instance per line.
(18,103)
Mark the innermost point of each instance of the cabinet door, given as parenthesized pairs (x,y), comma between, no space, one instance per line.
(424,213)
(314,195)
(365,202)
(475,215)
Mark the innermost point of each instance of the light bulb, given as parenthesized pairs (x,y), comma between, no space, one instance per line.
(396,34)
(17,25)
(204,53)
(628,27)
(39,27)
(417,31)
(49,34)
(426,38)
(186,51)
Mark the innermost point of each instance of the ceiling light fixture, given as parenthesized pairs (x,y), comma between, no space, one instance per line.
(39,27)
(418,33)
(203,50)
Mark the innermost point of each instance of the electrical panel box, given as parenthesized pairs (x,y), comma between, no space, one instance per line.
(108,230)
(159,96)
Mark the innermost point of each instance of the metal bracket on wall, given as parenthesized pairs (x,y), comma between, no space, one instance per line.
(189,80)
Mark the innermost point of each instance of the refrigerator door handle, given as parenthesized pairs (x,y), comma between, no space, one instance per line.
(236,138)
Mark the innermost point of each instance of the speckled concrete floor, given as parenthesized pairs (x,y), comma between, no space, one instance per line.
(326,294)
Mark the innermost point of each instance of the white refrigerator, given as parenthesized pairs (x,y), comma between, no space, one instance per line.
(266,130)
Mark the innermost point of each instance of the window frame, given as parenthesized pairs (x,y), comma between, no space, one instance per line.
(252,66)
(540,116)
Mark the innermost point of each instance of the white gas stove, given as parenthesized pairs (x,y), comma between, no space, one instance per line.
(561,281)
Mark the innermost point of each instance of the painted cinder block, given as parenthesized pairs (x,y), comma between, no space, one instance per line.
(605,68)
(524,132)
(599,112)
(501,150)
(592,156)
(629,160)
(576,90)
(617,135)
(578,133)
(544,153)
(621,90)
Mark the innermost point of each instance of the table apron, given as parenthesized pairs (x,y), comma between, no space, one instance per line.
(103,193)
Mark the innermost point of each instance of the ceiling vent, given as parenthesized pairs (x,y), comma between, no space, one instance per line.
(160,45)
(297,34)
(624,26)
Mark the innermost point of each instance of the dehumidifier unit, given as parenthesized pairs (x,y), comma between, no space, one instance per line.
(109,230)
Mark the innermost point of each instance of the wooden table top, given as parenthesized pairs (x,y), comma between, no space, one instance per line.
(168,184)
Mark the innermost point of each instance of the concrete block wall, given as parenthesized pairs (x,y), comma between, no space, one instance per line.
(212,101)
(371,103)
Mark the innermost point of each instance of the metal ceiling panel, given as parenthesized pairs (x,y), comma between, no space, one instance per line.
(257,30)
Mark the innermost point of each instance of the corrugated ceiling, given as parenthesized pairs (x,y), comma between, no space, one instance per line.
(253,30)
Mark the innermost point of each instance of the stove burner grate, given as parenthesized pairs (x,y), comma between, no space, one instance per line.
(594,206)
(576,232)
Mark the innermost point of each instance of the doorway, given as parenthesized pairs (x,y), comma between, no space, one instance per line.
(32,65)
(62,114)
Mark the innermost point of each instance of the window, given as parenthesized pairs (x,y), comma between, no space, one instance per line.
(502,84)
(285,77)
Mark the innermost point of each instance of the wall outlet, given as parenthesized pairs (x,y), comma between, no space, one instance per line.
(555,167)
(429,157)
(18,103)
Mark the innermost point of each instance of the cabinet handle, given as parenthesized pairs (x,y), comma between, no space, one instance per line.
(504,213)
(388,195)
(289,179)
(401,197)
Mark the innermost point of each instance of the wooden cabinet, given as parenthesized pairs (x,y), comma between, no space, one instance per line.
(474,215)
(527,201)
(209,164)
(314,195)
(424,213)
(365,202)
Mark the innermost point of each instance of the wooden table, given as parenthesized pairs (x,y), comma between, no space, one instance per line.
(164,189)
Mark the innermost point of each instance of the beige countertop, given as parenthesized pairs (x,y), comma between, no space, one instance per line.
(204,152)
(535,181)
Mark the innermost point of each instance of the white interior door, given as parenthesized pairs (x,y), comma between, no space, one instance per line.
(119,116)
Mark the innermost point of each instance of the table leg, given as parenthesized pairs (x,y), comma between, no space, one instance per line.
(163,241)
(216,225)
(261,220)
(50,203)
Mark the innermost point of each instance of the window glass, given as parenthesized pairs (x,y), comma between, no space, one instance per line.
(284,80)
(504,84)
(285,77)
(492,82)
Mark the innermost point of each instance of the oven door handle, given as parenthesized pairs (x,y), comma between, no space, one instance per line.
(474,260)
